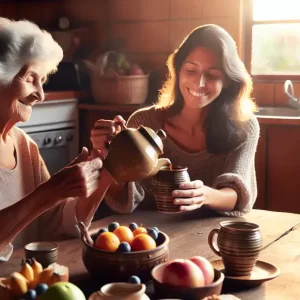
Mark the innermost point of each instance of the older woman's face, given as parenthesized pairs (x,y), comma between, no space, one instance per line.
(200,78)
(25,90)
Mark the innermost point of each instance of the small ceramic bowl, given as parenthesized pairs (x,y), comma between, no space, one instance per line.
(44,252)
(112,266)
(163,290)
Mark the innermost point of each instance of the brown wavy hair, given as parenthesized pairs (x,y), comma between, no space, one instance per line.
(227,114)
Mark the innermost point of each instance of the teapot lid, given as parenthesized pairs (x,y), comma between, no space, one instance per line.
(155,138)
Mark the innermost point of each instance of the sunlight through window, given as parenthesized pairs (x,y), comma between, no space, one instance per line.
(276,44)
(268,10)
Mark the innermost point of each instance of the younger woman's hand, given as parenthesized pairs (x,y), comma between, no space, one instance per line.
(190,196)
(104,131)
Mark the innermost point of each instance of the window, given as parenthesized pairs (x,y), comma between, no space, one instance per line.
(275,38)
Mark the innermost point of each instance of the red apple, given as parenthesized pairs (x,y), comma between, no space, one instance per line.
(183,273)
(136,70)
(206,268)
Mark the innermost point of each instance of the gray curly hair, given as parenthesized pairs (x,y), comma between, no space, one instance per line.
(23,42)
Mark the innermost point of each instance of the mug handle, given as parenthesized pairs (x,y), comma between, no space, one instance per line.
(210,241)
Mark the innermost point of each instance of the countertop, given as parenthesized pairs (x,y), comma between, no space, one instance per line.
(63,95)
(271,116)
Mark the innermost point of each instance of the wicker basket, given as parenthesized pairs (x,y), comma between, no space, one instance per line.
(120,89)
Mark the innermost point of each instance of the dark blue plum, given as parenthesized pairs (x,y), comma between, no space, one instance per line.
(41,289)
(153,233)
(30,295)
(133,226)
(134,279)
(101,231)
(113,226)
(124,247)
(155,228)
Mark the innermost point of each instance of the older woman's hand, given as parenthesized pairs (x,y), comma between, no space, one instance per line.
(79,179)
(190,196)
(103,132)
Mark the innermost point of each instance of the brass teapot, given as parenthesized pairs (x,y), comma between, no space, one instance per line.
(133,154)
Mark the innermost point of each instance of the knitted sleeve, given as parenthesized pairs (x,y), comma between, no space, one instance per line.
(134,193)
(239,172)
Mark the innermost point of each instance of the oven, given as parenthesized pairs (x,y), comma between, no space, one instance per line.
(54,128)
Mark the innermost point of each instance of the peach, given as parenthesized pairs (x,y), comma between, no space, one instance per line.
(206,268)
(183,273)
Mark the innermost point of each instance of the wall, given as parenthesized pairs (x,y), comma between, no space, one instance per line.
(272,94)
(153,29)
(88,13)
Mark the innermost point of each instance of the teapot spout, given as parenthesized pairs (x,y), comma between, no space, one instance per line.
(160,163)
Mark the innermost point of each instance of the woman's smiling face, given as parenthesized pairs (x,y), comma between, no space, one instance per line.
(25,90)
(200,78)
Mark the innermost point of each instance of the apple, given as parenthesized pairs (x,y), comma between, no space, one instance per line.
(206,268)
(183,273)
(136,70)
(63,291)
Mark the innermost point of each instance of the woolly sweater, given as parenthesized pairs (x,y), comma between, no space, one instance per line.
(29,172)
(235,169)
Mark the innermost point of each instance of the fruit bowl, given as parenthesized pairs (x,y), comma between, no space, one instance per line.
(115,266)
(163,290)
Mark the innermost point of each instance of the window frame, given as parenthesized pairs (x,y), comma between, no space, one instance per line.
(249,23)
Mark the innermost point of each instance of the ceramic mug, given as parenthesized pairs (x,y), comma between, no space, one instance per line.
(164,183)
(238,244)
(44,252)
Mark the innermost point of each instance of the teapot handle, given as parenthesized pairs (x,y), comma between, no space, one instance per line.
(123,127)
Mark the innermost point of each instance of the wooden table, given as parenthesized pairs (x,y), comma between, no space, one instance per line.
(188,236)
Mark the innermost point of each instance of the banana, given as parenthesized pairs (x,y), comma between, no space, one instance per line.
(37,270)
(18,284)
(27,271)
(5,281)
(45,275)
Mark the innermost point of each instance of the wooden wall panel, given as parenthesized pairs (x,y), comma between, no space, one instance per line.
(263,94)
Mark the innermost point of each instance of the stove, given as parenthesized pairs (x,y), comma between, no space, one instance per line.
(53,125)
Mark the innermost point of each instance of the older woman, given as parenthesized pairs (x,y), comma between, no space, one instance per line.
(27,56)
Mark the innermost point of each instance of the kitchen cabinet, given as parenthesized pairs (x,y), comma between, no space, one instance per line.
(283,168)
(278,168)
(260,167)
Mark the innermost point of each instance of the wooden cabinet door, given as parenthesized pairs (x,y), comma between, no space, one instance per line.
(283,169)
(260,168)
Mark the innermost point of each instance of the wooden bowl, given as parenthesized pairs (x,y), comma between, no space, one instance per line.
(163,290)
(112,266)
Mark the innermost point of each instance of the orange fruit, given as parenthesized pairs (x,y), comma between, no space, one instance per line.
(107,241)
(143,241)
(139,230)
(124,234)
